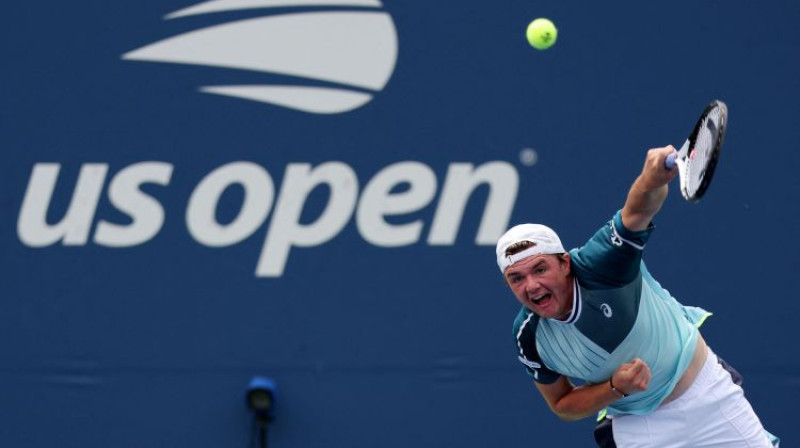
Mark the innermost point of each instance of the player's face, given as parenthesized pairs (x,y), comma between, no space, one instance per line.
(542,284)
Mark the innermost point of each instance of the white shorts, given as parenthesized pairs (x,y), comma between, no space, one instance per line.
(711,413)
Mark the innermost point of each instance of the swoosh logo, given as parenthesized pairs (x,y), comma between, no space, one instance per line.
(353,51)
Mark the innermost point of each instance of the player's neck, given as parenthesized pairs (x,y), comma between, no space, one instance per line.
(570,298)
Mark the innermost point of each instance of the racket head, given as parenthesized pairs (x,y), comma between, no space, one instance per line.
(697,160)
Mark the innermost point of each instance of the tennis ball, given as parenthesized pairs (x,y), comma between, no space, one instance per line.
(541,34)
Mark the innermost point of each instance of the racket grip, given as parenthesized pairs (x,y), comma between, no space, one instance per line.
(669,162)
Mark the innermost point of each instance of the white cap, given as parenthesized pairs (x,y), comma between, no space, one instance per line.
(544,239)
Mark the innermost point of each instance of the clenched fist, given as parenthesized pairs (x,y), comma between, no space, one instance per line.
(631,377)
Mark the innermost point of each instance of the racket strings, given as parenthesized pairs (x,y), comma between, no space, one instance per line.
(701,152)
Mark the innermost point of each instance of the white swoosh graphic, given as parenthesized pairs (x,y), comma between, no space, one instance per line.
(351,48)
(317,100)
(233,5)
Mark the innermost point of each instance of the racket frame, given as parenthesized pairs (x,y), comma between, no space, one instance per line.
(680,157)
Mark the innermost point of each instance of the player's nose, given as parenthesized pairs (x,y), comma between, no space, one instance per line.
(531,285)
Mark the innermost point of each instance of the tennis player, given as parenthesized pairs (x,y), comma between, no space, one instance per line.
(597,315)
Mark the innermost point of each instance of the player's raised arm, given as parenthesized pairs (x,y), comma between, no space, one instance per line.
(649,190)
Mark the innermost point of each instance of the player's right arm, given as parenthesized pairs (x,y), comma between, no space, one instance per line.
(649,190)
(571,402)
(611,258)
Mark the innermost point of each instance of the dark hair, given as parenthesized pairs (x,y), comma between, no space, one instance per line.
(519,246)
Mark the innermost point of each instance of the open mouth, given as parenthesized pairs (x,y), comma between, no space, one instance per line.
(541,299)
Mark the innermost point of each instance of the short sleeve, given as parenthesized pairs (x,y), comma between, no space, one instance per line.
(612,256)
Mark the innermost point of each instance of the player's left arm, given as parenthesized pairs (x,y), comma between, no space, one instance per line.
(649,190)
(571,402)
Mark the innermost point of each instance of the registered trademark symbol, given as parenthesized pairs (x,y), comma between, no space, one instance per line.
(528,156)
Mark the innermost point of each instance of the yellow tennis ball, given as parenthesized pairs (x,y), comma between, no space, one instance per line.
(541,34)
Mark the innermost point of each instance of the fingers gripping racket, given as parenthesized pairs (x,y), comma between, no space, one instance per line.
(697,159)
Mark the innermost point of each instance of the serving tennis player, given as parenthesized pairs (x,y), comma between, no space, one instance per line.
(596,314)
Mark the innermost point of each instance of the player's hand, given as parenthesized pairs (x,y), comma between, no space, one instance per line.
(654,174)
(632,377)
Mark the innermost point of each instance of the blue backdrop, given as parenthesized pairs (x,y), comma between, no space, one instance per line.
(310,190)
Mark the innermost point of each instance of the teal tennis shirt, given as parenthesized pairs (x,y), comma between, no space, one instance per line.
(620,312)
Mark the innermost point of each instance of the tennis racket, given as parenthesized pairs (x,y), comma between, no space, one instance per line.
(697,158)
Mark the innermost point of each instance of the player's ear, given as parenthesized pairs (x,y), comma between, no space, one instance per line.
(566,261)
